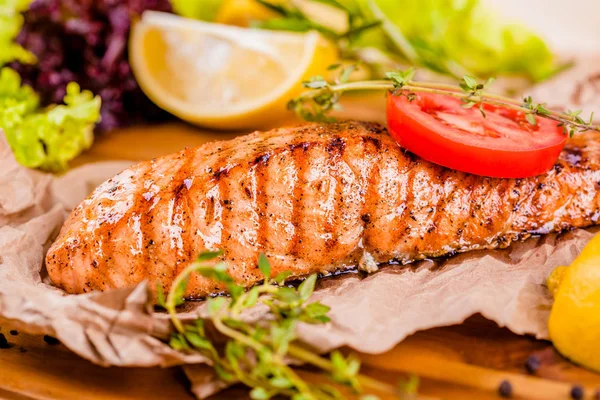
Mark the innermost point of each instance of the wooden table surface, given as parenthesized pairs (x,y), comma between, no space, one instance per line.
(461,362)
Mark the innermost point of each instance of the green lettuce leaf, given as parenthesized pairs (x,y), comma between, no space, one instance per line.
(40,138)
(11,21)
(460,37)
(46,138)
(205,10)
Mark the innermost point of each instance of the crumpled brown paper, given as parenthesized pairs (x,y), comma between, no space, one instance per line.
(370,314)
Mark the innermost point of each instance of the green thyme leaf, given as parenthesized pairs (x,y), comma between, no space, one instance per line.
(282,335)
(346,72)
(208,255)
(470,82)
(234,351)
(287,295)
(160,295)
(176,344)
(264,265)
(489,82)
(198,341)
(200,327)
(282,276)
(281,382)
(223,374)
(401,77)
(235,291)
(259,393)
(531,119)
(256,352)
(316,82)
(252,297)
(215,304)
(316,313)
(307,287)
(180,291)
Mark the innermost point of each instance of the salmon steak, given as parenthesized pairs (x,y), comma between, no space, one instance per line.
(318,198)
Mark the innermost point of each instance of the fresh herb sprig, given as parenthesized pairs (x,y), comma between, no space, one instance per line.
(315,105)
(256,353)
(292,18)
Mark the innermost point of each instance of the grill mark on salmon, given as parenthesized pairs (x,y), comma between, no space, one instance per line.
(298,158)
(260,165)
(315,198)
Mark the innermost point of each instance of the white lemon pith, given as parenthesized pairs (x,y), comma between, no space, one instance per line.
(222,76)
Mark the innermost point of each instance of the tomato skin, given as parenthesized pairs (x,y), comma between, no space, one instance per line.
(438,142)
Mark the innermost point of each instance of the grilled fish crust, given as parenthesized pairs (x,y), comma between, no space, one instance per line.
(314,198)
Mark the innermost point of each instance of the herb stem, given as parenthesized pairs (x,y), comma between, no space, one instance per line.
(171,302)
(257,346)
(449,90)
(256,354)
(313,359)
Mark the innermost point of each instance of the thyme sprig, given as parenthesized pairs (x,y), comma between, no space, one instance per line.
(256,353)
(315,105)
(292,18)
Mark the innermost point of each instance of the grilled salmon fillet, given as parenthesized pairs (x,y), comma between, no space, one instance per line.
(314,198)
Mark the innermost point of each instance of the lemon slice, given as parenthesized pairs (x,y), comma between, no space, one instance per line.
(222,76)
(574,323)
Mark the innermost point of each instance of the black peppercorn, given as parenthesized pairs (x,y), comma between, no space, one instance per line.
(577,392)
(14,333)
(505,389)
(532,364)
(3,342)
(51,340)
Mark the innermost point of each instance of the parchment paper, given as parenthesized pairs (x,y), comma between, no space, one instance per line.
(369,314)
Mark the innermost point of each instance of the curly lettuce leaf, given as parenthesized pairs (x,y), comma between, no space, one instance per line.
(46,138)
(11,21)
(203,10)
(462,36)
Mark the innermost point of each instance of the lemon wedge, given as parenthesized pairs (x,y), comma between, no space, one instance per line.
(222,76)
(574,323)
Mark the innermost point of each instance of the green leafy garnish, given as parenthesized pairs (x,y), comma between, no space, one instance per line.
(291,17)
(205,10)
(453,37)
(256,354)
(11,21)
(40,138)
(317,103)
(463,37)
(46,138)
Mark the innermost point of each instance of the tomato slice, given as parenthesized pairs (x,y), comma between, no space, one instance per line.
(503,144)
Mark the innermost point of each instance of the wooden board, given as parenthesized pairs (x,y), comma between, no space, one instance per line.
(462,362)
